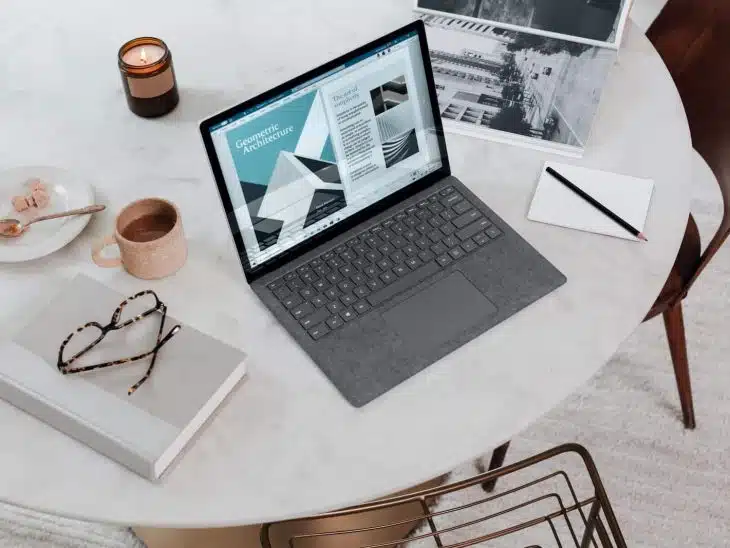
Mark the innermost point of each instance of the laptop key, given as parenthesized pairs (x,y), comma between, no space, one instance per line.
(319,331)
(335,262)
(435,235)
(375,284)
(410,250)
(423,228)
(398,257)
(340,249)
(361,291)
(411,210)
(423,243)
(316,318)
(436,222)
(448,228)
(371,271)
(361,307)
(425,256)
(332,293)
(318,301)
(439,248)
(384,264)
(411,221)
(347,271)
(290,276)
(456,253)
(448,215)
(450,241)
(335,321)
(469,245)
(296,284)
(493,232)
(424,214)
(444,260)
(291,301)
(386,249)
(433,198)
(348,256)
(401,270)
(346,286)
(387,277)
(398,242)
(471,230)
(411,235)
(333,277)
(413,262)
(321,284)
(358,279)
(372,256)
(348,315)
(387,235)
(275,284)
(436,207)
(481,239)
(452,199)
(348,299)
(302,310)
(335,307)
(467,218)
(412,279)
(307,293)
(360,263)
(398,229)
(309,277)
(446,191)
(281,292)
(462,207)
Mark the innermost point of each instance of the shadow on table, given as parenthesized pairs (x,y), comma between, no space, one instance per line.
(198,104)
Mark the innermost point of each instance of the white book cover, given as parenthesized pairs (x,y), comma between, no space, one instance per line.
(626,196)
(143,431)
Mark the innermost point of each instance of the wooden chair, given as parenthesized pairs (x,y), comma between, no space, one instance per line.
(693,38)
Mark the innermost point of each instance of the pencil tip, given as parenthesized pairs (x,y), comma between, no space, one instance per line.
(642,237)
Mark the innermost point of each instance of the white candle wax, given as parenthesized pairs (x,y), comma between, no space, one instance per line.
(144,54)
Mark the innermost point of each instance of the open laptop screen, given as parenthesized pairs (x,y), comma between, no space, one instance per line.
(326,149)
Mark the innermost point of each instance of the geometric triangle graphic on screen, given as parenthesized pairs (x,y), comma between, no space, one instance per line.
(253,194)
(326,171)
(266,230)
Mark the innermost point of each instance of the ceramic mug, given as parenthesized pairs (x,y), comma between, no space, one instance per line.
(150,237)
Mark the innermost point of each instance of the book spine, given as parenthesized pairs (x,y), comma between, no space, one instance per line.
(71,425)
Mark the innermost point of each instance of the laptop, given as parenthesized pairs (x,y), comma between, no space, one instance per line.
(350,227)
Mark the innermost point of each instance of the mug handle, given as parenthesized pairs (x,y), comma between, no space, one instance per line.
(98,247)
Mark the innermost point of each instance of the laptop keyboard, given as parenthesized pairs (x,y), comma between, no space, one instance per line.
(357,277)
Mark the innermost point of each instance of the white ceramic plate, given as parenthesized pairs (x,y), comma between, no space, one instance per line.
(67,191)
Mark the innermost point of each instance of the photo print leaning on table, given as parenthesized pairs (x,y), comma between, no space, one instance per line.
(321,152)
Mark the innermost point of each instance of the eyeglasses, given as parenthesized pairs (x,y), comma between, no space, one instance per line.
(149,303)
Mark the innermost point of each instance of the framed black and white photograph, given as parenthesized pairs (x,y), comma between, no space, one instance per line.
(595,22)
(514,86)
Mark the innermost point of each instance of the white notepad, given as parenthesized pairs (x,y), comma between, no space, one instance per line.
(555,204)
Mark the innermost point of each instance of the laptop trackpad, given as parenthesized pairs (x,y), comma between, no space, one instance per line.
(440,312)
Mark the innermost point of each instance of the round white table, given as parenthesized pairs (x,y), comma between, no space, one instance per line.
(286,444)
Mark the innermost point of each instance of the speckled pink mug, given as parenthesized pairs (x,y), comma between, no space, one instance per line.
(150,237)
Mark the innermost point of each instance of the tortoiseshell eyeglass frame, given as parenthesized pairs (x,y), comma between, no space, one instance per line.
(65,366)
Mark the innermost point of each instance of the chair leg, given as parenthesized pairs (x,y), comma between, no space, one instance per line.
(674,324)
(498,456)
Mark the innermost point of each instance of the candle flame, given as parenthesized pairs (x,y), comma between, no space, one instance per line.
(143,56)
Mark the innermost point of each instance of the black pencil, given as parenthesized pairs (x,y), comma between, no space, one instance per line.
(595,203)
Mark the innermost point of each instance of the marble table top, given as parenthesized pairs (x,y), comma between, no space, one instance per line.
(286,443)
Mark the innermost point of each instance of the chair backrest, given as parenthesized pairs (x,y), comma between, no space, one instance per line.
(693,38)
(538,504)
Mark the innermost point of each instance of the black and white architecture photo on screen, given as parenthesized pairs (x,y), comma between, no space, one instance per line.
(591,19)
(523,84)
(396,125)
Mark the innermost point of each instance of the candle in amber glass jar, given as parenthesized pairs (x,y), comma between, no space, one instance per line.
(148,77)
